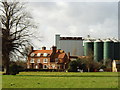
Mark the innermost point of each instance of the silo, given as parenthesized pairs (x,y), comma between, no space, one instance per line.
(108,49)
(98,50)
(116,50)
(88,47)
(119,49)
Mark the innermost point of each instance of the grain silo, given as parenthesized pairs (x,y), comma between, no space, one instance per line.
(116,49)
(119,50)
(108,49)
(98,50)
(88,47)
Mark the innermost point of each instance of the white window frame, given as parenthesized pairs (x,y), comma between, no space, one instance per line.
(36,66)
(32,54)
(32,61)
(53,66)
(45,54)
(44,66)
(38,60)
(45,60)
(38,54)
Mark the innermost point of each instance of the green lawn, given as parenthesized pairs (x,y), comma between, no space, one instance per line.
(61,80)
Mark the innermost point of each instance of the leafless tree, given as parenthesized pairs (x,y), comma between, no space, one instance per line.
(16,25)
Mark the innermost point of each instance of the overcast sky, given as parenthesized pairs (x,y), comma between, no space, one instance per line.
(97,19)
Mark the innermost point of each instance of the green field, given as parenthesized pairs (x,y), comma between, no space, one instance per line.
(61,80)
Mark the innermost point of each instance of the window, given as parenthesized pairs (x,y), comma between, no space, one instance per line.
(32,54)
(36,66)
(38,61)
(53,66)
(56,60)
(58,66)
(32,61)
(45,60)
(38,54)
(44,66)
(45,54)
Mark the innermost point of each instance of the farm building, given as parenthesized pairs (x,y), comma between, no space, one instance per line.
(74,45)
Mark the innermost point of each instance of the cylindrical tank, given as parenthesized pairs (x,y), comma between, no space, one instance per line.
(108,49)
(98,50)
(116,50)
(119,49)
(88,47)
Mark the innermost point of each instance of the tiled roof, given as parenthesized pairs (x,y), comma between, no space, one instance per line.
(59,53)
(42,51)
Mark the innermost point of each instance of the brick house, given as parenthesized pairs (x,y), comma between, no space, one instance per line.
(48,59)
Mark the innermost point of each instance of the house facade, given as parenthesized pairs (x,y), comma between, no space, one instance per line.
(48,59)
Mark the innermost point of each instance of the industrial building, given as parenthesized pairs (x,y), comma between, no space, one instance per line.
(102,49)
(74,45)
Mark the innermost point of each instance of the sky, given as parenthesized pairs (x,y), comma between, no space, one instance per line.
(97,19)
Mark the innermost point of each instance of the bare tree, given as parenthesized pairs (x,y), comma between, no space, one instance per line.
(16,25)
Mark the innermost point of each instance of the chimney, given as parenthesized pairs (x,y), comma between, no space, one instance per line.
(68,55)
(54,48)
(59,50)
(43,48)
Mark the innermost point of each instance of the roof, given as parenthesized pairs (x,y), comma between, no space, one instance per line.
(117,61)
(42,51)
(71,38)
(59,53)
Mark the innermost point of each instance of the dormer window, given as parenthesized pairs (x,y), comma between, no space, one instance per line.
(32,61)
(38,54)
(32,54)
(45,54)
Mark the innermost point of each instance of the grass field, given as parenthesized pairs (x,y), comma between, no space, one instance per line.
(61,80)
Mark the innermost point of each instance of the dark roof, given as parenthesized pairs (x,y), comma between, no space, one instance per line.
(71,38)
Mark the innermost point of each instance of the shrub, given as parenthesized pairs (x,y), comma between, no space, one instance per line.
(73,66)
(14,68)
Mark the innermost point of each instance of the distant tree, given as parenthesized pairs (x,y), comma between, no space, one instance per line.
(88,62)
(73,66)
(107,63)
(16,23)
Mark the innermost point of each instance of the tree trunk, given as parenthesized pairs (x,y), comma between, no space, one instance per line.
(7,67)
(6,61)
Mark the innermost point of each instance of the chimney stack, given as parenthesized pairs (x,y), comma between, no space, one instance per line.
(68,55)
(54,48)
(43,48)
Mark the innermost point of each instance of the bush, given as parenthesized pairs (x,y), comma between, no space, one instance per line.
(73,66)
(14,68)
(103,67)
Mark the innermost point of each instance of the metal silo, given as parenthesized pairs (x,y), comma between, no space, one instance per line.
(116,49)
(119,49)
(88,47)
(108,49)
(98,50)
